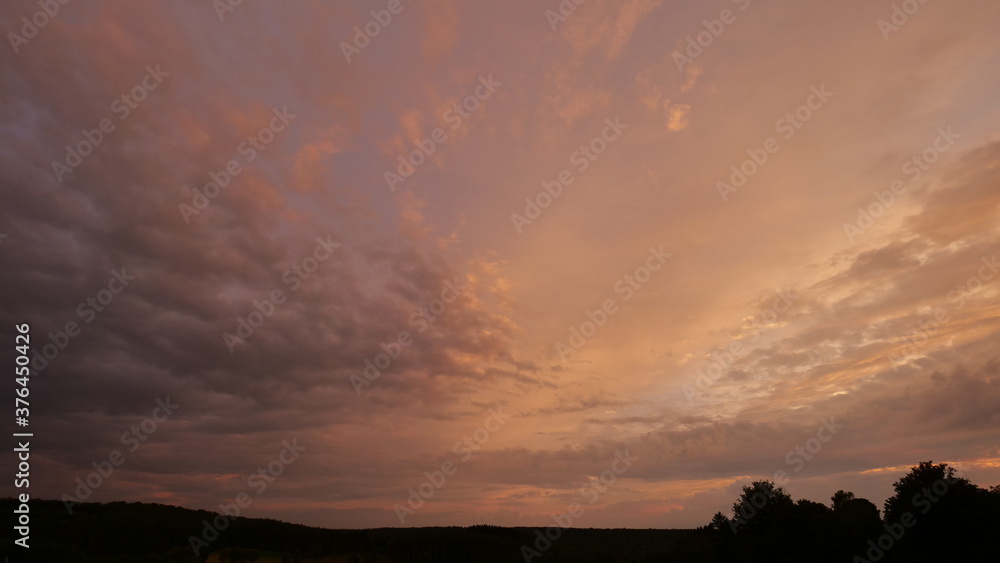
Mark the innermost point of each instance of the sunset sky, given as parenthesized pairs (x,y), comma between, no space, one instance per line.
(692,235)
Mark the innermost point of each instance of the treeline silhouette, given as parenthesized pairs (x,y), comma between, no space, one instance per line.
(933,515)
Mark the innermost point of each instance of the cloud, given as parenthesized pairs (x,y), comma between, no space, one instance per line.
(893,336)
(677,115)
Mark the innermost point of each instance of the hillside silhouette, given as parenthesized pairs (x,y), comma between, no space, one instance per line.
(933,515)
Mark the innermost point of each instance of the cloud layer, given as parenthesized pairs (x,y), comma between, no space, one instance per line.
(174,175)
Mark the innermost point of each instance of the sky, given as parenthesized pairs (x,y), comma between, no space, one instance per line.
(433,262)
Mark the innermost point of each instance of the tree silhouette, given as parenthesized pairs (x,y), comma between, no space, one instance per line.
(934,515)
(925,483)
(840,498)
(940,515)
(960,523)
(720,522)
(855,520)
(759,506)
(761,518)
